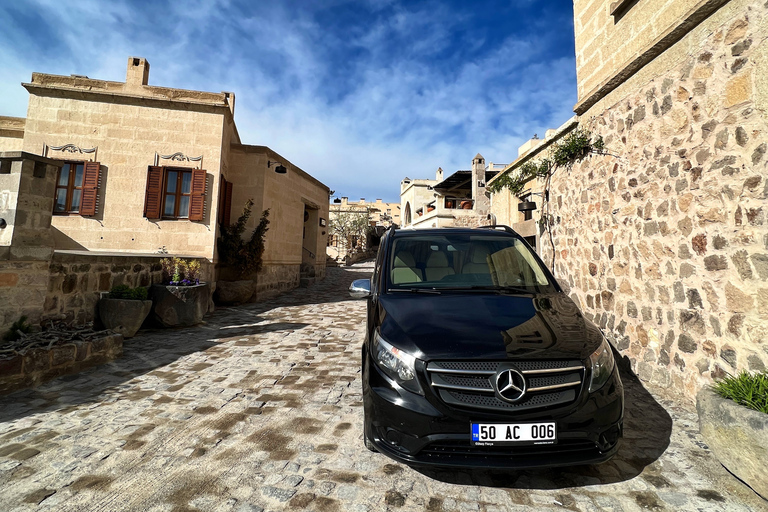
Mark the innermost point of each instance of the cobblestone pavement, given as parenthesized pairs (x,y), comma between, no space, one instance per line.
(260,409)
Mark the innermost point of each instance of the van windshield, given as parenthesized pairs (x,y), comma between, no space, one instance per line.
(454,261)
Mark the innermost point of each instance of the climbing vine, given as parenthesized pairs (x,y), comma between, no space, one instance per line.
(562,154)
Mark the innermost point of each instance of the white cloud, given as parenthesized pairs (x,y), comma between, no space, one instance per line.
(359,107)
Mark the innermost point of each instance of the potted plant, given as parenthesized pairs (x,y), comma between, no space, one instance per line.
(181,299)
(124,309)
(733,419)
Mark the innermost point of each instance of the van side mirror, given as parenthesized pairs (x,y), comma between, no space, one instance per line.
(360,288)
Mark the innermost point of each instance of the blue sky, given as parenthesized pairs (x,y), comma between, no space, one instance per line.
(359,93)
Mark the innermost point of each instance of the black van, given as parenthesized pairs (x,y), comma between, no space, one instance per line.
(475,357)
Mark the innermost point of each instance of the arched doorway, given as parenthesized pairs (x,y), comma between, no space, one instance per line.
(407,217)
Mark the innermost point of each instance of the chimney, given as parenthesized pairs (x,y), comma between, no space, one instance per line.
(362,200)
(482,203)
(230,96)
(439,174)
(138,71)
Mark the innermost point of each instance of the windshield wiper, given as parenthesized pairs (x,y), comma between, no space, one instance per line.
(415,290)
(498,289)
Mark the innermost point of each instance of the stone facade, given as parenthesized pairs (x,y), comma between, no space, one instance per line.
(664,243)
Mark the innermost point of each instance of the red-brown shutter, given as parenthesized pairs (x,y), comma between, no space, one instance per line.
(90,189)
(197,197)
(227,203)
(153,201)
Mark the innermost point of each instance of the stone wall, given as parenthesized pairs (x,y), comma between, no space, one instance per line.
(36,366)
(77,280)
(665,241)
(276,279)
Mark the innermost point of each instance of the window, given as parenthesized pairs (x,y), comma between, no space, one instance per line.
(76,188)
(178,188)
(69,188)
(458,261)
(175,193)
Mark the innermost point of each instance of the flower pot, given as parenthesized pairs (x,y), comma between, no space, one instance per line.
(179,306)
(737,436)
(124,316)
(430,208)
(466,205)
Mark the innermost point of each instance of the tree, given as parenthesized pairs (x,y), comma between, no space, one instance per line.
(347,226)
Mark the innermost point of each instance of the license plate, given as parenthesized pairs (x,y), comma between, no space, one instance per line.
(500,434)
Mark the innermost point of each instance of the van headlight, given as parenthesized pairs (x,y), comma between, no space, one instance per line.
(602,366)
(398,365)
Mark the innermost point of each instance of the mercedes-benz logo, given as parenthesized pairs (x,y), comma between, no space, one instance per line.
(510,385)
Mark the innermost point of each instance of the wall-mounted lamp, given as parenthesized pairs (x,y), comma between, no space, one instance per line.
(526,206)
(279,169)
(337,201)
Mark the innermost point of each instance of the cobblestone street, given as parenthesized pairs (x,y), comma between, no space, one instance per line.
(260,409)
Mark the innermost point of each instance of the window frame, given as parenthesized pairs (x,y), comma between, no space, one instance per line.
(177,194)
(70,188)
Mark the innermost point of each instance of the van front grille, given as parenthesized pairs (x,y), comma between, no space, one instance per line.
(471,384)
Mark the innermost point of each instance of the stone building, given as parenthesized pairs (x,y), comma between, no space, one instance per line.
(664,239)
(147,169)
(458,200)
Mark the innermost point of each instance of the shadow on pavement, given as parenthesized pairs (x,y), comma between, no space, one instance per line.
(647,430)
(153,349)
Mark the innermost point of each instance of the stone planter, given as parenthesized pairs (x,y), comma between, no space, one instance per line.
(124,316)
(233,292)
(738,437)
(179,306)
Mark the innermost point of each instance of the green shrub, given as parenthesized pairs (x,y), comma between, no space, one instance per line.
(244,255)
(747,389)
(19,325)
(123,291)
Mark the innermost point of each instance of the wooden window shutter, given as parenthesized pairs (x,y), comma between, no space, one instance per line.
(88,203)
(227,203)
(197,197)
(153,201)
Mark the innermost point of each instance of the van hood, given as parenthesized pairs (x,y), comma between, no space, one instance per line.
(464,326)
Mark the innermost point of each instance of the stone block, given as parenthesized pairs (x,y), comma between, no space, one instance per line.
(737,436)
(11,366)
(715,262)
(63,354)
(9,279)
(736,300)
(123,316)
(83,351)
(738,89)
(37,360)
(176,306)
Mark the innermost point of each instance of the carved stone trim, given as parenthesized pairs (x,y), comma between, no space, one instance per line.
(70,148)
(179,157)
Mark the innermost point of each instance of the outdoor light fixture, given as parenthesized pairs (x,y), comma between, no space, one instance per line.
(279,169)
(337,201)
(3,224)
(526,206)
